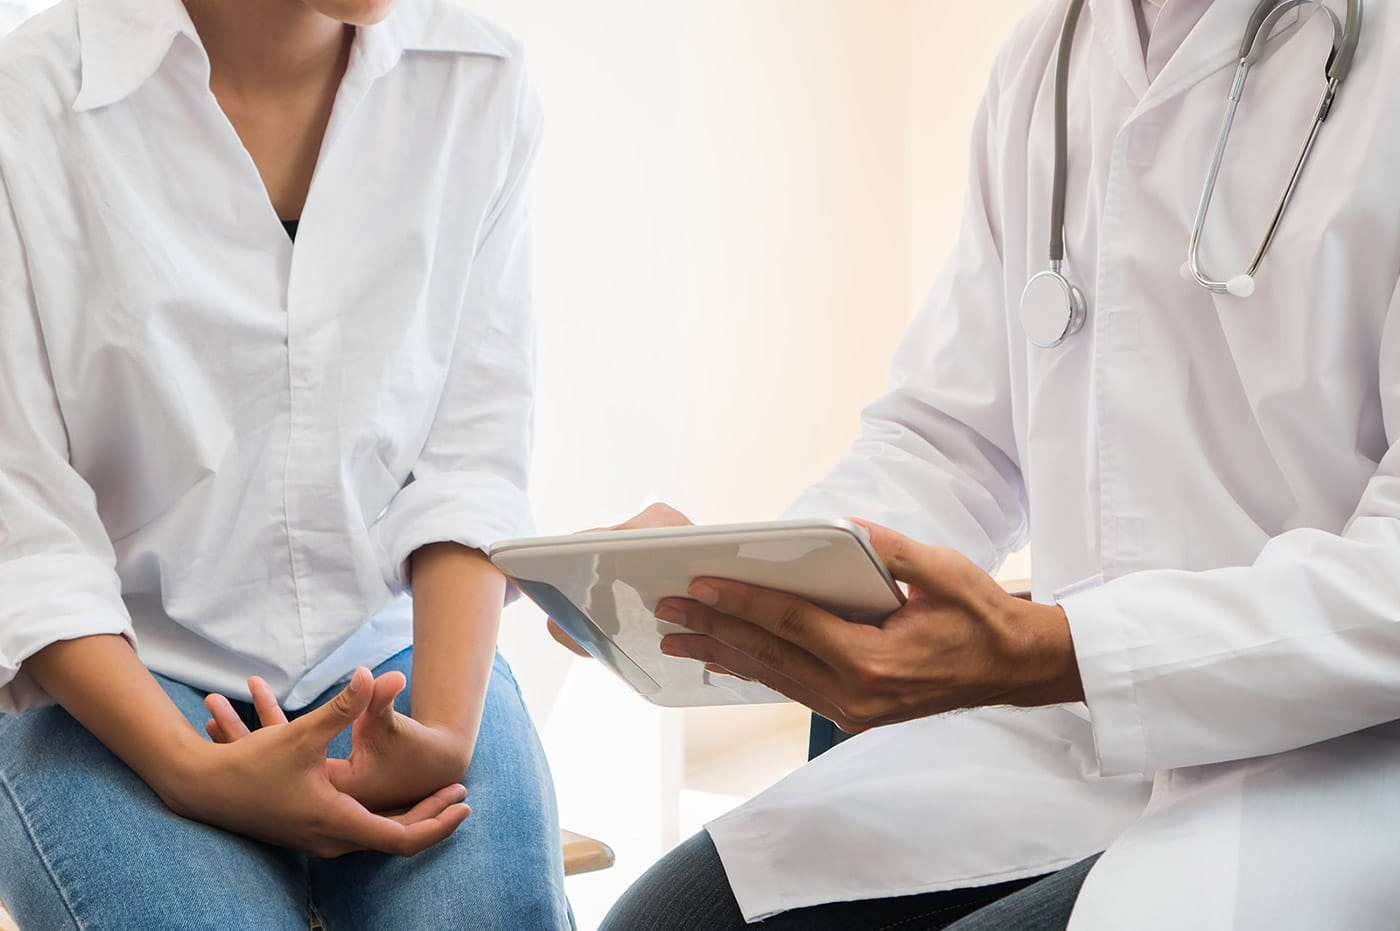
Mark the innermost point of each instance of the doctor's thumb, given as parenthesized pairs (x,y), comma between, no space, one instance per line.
(907,560)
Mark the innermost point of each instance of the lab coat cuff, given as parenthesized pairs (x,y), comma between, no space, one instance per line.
(475,509)
(49,598)
(1096,624)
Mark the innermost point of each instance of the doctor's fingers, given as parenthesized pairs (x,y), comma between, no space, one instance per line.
(766,649)
(721,657)
(786,616)
(942,574)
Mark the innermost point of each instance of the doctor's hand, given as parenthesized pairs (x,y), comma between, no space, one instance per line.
(960,641)
(655,515)
(394,762)
(274,785)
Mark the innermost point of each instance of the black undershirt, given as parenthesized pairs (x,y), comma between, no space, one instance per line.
(291,227)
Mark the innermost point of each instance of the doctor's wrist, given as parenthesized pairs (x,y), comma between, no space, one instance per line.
(1045,670)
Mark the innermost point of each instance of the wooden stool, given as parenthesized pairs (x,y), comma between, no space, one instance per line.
(581,855)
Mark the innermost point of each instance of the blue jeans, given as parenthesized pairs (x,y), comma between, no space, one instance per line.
(84,843)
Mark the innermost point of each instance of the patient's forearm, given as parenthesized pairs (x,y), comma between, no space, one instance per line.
(101,683)
(457,598)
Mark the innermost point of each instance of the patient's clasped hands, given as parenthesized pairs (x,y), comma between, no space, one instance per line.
(399,792)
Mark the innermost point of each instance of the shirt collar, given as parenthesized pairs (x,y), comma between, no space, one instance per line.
(124,42)
(427,26)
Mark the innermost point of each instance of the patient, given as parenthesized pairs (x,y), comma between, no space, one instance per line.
(265,372)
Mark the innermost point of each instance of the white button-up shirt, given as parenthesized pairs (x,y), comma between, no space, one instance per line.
(1228,469)
(212,441)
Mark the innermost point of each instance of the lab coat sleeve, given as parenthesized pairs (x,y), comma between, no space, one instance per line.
(936,457)
(469,482)
(1191,668)
(57,568)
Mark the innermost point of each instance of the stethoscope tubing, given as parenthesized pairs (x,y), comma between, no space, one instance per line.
(1338,65)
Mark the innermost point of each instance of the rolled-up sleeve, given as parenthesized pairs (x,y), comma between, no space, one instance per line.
(469,483)
(57,568)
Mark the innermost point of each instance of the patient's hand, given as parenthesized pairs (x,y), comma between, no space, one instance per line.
(395,760)
(656,515)
(274,785)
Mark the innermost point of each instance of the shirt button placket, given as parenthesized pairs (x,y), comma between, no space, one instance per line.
(298,396)
(1118,331)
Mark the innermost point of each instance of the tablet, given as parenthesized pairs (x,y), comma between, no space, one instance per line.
(602,589)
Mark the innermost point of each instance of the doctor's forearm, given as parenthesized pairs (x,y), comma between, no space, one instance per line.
(457,598)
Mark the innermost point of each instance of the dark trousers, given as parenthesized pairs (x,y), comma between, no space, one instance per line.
(686,890)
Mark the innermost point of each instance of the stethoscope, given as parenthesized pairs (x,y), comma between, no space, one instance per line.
(1052,308)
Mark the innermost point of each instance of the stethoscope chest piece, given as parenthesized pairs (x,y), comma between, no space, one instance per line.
(1052,309)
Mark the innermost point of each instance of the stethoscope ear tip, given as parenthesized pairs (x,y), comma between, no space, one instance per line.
(1241,285)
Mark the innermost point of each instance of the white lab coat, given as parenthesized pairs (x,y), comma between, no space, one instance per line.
(1226,469)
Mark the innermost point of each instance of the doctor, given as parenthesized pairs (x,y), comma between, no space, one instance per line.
(1210,484)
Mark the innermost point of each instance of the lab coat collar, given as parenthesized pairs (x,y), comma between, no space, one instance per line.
(1213,44)
(1114,24)
(124,42)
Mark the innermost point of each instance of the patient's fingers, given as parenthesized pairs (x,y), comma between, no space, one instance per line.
(558,634)
(656,515)
(653,515)
(434,805)
(225,726)
(265,701)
